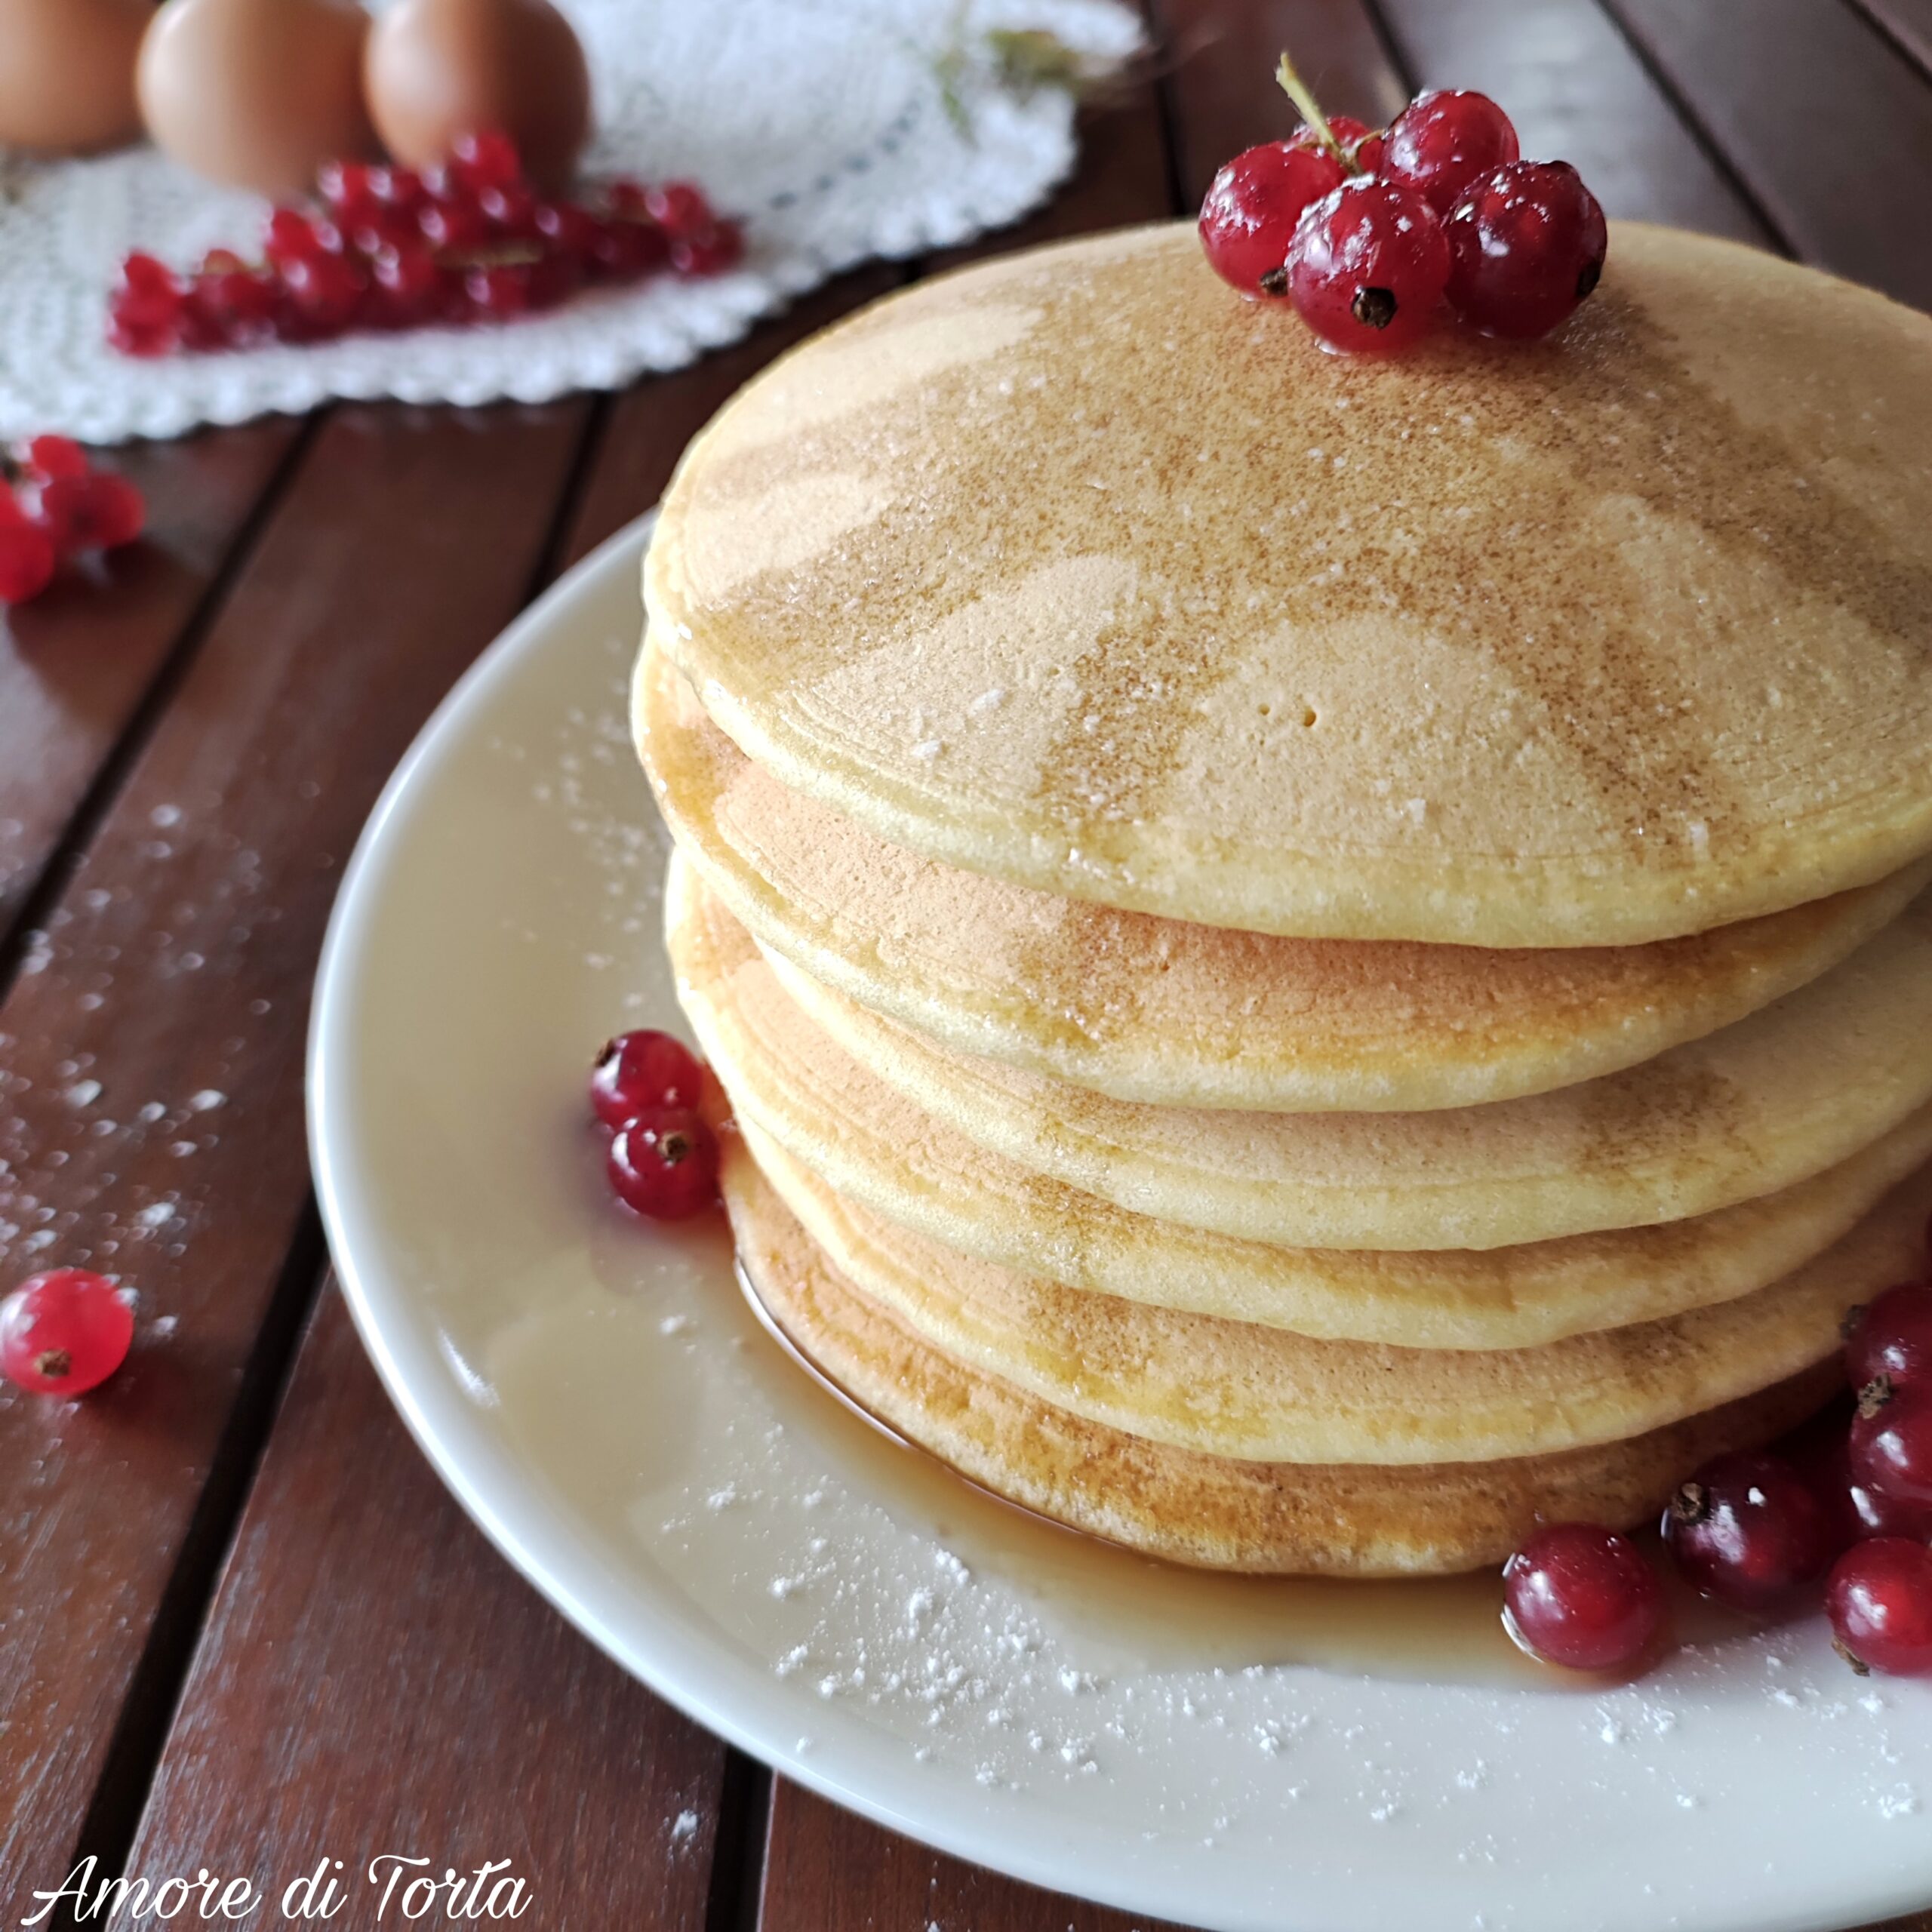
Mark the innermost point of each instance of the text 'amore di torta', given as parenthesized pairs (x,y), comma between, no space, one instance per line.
(1072,571)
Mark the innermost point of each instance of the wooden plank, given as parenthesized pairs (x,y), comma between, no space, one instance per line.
(153,1047)
(1907,24)
(1767,80)
(1576,90)
(1221,92)
(827,1871)
(375,1680)
(76,664)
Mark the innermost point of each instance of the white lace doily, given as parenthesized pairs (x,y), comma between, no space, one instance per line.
(837,129)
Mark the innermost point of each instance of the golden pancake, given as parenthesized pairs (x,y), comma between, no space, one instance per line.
(1281,1518)
(876,1148)
(1234,1388)
(1152,1009)
(1076,569)
(1783,1095)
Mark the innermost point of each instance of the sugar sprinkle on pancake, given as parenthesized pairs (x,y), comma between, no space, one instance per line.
(1069,570)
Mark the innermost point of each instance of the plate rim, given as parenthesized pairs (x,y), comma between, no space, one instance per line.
(696,1674)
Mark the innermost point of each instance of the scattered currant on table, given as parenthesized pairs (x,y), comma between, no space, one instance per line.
(1879,1600)
(1752,1530)
(54,505)
(64,1332)
(1375,237)
(664,1164)
(392,248)
(1579,1595)
(663,1159)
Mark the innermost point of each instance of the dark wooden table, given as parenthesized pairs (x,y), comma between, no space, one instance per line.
(246,1629)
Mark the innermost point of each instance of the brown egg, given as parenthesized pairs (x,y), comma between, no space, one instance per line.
(258,93)
(67,73)
(437,69)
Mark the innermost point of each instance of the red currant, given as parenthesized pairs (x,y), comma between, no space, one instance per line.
(554,279)
(28,560)
(486,160)
(568,228)
(663,1164)
(1354,138)
(510,210)
(499,291)
(295,237)
(452,225)
(1442,140)
(1750,1530)
(1891,1441)
(64,1332)
(1891,1335)
(46,457)
(638,1071)
(678,207)
(97,512)
(1528,241)
(1248,218)
(145,310)
(1880,1602)
(406,287)
(626,249)
(1877,1515)
(1368,266)
(229,304)
(711,253)
(397,187)
(342,184)
(1579,1595)
(324,292)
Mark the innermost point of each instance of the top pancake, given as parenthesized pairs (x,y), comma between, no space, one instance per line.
(1143,1008)
(1077,570)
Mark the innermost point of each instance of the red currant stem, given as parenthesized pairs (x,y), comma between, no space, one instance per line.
(491,255)
(1297,91)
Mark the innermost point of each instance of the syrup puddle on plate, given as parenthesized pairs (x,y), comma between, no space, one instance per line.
(1164,1617)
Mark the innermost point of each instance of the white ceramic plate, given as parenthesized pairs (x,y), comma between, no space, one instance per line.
(598,1398)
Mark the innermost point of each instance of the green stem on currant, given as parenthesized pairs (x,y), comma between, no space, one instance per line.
(1298,90)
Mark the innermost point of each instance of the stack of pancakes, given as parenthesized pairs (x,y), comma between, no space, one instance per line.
(1314,960)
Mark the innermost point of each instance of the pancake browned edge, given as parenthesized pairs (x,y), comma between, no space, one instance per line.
(1211,1512)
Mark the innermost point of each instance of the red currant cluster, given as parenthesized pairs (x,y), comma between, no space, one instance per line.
(65,1333)
(390,248)
(1371,235)
(663,1162)
(1758,1531)
(53,504)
